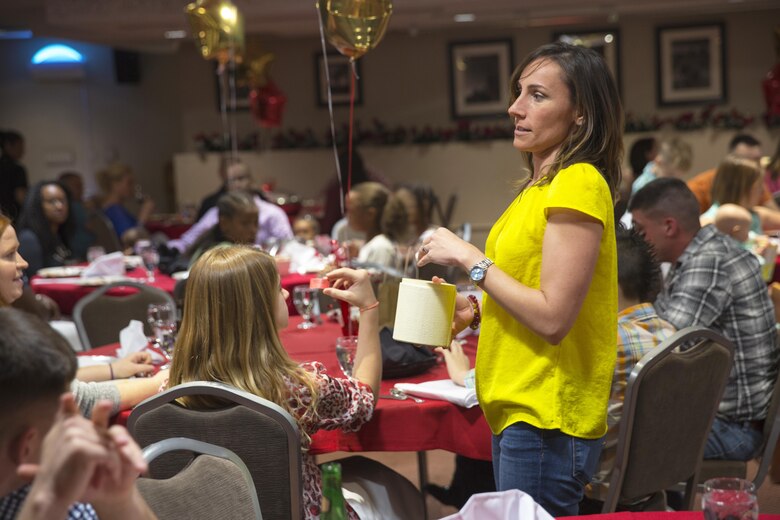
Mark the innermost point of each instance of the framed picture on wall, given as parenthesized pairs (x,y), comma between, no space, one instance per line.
(604,41)
(479,78)
(691,64)
(340,71)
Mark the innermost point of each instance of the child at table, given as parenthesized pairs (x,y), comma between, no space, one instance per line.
(233,309)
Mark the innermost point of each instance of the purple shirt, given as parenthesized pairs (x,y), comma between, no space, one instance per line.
(272,222)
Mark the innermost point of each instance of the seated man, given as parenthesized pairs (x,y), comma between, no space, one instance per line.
(272,221)
(42,435)
(717,284)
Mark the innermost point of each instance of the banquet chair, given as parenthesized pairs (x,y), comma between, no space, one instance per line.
(217,484)
(736,468)
(263,434)
(103,230)
(670,402)
(99,317)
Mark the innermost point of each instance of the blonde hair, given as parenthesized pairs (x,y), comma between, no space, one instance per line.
(111,174)
(228,331)
(676,154)
(734,179)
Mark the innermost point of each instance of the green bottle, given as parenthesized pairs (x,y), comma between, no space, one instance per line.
(332,507)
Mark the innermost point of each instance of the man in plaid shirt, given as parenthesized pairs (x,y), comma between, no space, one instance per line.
(713,282)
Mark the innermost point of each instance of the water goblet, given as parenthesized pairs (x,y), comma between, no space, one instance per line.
(729,498)
(303,299)
(161,318)
(151,260)
(346,348)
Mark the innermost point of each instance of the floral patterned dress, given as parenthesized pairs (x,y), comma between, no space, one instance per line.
(343,403)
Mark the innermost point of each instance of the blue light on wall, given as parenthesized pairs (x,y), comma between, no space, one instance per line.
(57,53)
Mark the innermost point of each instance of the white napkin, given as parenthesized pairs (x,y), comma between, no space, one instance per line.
(501,505)
(444,390)
(107,265)
(132,339)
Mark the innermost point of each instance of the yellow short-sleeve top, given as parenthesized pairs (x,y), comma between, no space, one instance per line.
(521,377)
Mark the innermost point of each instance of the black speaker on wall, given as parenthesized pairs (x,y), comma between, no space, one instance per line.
(127,66)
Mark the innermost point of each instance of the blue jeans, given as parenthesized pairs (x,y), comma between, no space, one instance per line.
(552,467)
(733,441)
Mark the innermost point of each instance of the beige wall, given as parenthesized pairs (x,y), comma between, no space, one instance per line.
(405,82)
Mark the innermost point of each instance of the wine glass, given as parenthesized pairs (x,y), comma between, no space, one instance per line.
(303,299)
(162,321)
(346,348)
(151,260)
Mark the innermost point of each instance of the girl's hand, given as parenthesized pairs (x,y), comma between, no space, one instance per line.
(457,362)
(352,286)
(134,364)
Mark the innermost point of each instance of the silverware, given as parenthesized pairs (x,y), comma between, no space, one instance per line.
(387,396)
(400,394)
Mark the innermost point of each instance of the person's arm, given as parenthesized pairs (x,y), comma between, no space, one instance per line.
(189,237)
(354,287)
(273,222)
(570,250)
(133,391)
(146,210)
(132,365)
(700,290)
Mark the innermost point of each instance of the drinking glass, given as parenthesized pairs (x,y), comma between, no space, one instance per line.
(151,260)
(729,498)
(303,299)
(95,252)
(346,347)
(162,321)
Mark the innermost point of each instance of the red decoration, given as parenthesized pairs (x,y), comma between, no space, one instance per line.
(771,85)
(267,105)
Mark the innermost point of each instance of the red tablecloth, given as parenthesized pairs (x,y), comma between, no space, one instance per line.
(68,294)
(171,229)
(396,425)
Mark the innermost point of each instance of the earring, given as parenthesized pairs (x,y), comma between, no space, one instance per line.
(580,120)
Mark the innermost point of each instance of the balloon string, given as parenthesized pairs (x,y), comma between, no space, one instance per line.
(223,103)
(232,81)
(351,123)
(330,111)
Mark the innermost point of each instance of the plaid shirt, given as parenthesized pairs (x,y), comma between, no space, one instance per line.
(11,505)
(717,284)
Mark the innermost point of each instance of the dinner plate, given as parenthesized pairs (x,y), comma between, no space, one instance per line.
(60,272)
(180,275)
(88,361)
(133,261)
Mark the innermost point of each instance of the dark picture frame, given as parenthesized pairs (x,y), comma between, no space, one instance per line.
(604,41)
(691,64)
(340,70)
(479,78)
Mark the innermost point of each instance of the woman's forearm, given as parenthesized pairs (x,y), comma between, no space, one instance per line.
(368,360)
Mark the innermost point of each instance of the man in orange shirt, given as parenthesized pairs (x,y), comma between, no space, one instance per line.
(744,146)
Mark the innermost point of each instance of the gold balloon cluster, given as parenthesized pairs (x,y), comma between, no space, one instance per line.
(355,27)
(218,28)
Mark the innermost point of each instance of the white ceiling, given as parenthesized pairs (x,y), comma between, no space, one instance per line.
(141,24)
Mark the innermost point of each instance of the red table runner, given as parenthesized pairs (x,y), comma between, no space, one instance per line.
(396,425)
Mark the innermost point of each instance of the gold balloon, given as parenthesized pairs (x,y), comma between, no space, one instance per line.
(355,27)
(257,73)
(218,28)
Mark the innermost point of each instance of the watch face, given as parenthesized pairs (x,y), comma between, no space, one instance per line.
(477,274)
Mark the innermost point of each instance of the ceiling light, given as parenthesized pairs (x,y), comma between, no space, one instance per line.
(175,35)
(57,54)
(465,17)
(15,34)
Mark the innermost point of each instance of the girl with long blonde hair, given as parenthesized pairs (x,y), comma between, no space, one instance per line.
(233,309)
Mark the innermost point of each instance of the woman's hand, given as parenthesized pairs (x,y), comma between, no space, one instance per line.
(352,286)
(134,364)
(444,247)
(457,362)
(464,312)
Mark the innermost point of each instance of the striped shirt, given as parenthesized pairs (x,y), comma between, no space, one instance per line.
(717,284)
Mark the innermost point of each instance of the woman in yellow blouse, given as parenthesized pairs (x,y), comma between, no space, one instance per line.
(549,272)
